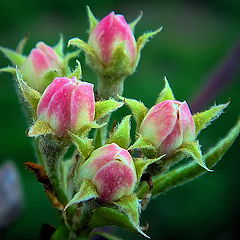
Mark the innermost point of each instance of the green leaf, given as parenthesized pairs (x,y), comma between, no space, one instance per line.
(189,172)
(39,128)
(83,144)
(141,143)
(141,165)
(130,206)
(21,45)
(87,191)
(29,94)
(203,119)
(77,71)
(92,20)
(15,58)
(166,93)
(193,149)
(76,42)
(106,216)
(61,233)
(142,40)
(107,236)
(8,70)
(137,108)
(103,108)
(59,46)
(135,22)
(121,134)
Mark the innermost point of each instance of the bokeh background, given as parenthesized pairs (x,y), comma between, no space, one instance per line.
(196,38)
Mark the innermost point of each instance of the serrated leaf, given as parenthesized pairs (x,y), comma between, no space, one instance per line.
(8,70)
(142,40)
(135,22)
(92,20)
(86,192)
(76,42)
(83,144)
(29,94)
(21,45)
(130,206)
(106,216)
(141,143)
(77,71)
(14,57)
(59,46)
(142,164)
(193,149)
(39,128)
(121,134)
(203,119)
(137,108)
(103,108)
(166,93)
(189,172)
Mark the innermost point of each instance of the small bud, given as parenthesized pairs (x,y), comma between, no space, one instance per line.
(109,34)
(168,125)
(111,170)
(42,60)
(67,104)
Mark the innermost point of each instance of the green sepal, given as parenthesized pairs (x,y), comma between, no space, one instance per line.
(83,144)
(86,192)
(29,94)
(135,22)
(166,93)
(106,216)
(103,108)
(49,76)
(120,64)
(85,129)
(92,20)
(193,149)
(76,42)
(21,45)
(39,128)
(142,40)
(121,134)
(14,57)
(66,169)
(203,119)
(70,56)
(142,143)
(130,206)
(8,70)
(137,108)
(141,165)
(77,72)
(59,46)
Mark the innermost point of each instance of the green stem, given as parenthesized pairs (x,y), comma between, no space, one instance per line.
(53,152)
(190,171)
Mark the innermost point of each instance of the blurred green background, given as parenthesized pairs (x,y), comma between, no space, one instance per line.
(196,37)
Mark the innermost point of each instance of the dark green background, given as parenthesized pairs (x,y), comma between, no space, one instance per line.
(196,37)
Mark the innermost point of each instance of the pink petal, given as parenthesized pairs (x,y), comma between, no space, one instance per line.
(48,93)
(58,112)
(82,106)
(114,181)
(159,122)
(39,61)
(187,123)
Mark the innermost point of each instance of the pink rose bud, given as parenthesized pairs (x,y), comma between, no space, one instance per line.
(108,34)
(41,60)
(67,104)
(168,125)
(111,170)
